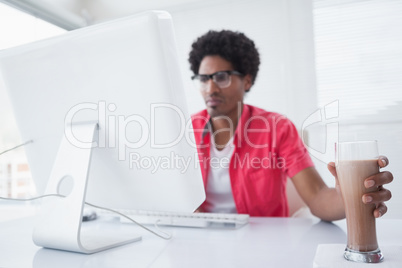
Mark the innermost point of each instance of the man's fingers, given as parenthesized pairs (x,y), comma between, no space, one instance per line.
(378,179)
(379,196)
(380,210)
(383,161)
(332,169)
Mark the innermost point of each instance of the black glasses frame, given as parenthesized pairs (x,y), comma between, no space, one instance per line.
(211,76)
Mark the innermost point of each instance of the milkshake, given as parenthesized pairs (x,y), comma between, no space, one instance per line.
(359,216)
(351,170)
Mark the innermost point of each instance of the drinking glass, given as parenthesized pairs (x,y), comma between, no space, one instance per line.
(355,162)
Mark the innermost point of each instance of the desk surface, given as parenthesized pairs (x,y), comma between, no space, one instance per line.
(264,242)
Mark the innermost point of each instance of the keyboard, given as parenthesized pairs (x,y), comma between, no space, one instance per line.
(198,220)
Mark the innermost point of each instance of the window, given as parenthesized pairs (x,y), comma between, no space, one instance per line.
(16,28)
(359,63)
(359,58)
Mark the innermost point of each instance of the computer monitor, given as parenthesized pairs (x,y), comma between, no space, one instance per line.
(106,112)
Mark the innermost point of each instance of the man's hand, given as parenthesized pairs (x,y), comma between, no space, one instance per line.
(375,181)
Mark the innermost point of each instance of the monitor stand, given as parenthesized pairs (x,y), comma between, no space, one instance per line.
(59,223)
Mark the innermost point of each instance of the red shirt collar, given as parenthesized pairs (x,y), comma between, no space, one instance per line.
(245,115)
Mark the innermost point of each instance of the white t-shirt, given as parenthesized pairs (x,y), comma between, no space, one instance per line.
(219,191)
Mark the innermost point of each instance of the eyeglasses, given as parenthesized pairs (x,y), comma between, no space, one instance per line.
(222,79)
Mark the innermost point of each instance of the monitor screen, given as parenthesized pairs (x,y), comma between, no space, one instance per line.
(124,77)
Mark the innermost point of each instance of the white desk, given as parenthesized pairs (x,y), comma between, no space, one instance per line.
(264,242)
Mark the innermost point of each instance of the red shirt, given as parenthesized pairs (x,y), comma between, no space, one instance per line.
(267,151)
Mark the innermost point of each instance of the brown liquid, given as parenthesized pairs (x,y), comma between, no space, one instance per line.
(359,216)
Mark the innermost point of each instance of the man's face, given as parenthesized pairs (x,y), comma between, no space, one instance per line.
(223,101)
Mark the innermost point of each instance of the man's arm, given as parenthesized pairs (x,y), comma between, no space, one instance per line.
(324,202)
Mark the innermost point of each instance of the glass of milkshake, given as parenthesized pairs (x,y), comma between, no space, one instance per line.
(355,162)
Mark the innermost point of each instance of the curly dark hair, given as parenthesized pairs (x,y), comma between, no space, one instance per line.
(234,47)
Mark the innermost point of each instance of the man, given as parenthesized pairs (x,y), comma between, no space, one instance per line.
(246,153)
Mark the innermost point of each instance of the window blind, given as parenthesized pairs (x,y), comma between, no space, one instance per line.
(358,45)
(359,58)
